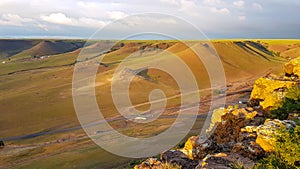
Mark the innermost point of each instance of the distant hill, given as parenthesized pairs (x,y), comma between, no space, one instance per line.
(9,47)
(49,47)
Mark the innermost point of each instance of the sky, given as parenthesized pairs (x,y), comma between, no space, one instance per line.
(217,19)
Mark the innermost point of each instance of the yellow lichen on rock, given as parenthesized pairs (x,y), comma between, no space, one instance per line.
(189,146)
(244,113)
(216,117)
(150,163)
(270,92)
(266,133)
(293,67)
(249,129)
(267,144)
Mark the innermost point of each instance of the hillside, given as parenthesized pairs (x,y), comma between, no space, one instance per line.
(38,122)
(264,133)
(48,47)
(9,48)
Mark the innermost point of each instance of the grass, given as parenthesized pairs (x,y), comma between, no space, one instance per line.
(286,153)
(41,99)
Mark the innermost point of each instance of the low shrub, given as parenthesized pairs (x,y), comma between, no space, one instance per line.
(286,154)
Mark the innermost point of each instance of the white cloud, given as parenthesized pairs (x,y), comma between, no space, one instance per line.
(39,2)
(242,17)
(13,19)
(171,2)
(213,2)
(5,2)
(42,26)
(167,21)
(60,18)
(189,7)
(220,11)
(86,5)
(89,22)
(185,4)
(257,6)
(239,4)
(148,21)
(116,15)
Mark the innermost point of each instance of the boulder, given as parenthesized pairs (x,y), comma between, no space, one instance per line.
(178,158)
(247,149)
(189,146)
(270,93)
(150,163)
(225,134)
(225,161)
(266,133)
(293,67)
(228,130)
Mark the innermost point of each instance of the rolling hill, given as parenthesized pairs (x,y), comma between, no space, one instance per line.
(36,93)
(49,47)
(9,47)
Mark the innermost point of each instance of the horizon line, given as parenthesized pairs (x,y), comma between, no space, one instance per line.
(86,39)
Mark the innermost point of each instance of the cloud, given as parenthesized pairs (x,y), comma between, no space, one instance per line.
(13,19)
(5,2)
(220,11)
(171,2)
(257,6)
(116,15)
(242,17)
(87,5)
(42,26)
(187,6)
(148,21)
(90,22)
(239,4)
(213,2)
(77,17)
(60,18)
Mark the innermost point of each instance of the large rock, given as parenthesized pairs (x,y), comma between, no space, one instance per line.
(247,149)
(228,130)
(189,146)
(150,163)
(225,133)
(266,133)
(270,92)
(224,161)
(196,148)
(293,67)
(217,114)
(178,158)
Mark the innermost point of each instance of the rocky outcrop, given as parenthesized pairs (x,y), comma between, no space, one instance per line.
(227,135)
(178,158)
(266,133)
(151,163)
(292,68)
(140,73)
(224,161)
(189,145)
(270,93)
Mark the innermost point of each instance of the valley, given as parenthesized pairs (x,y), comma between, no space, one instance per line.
(39,125)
